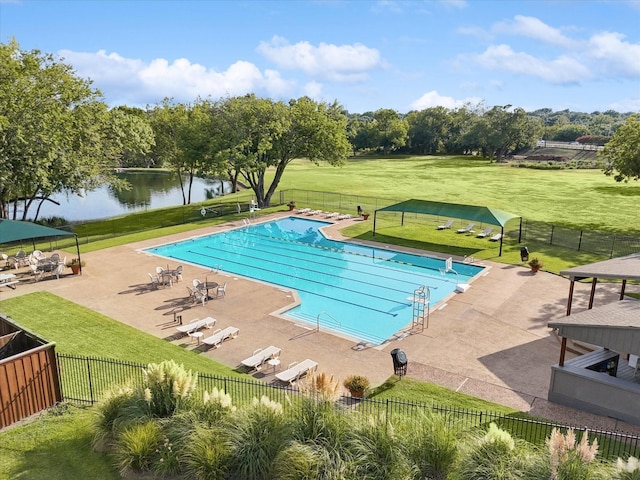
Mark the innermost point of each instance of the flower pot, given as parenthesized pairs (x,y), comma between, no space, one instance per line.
(357,393)
(365,216)
(291,207)
(75,269)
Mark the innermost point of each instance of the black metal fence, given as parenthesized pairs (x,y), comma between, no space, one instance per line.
(606,244)
(87,379)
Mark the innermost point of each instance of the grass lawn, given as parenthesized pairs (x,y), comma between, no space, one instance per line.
(585,199)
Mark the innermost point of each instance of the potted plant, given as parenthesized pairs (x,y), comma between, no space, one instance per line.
(365,216)
(75,265)
(291,205)
(535,265)
(357,385)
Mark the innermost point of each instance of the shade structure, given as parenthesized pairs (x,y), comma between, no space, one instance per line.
(16,230)
(489,215)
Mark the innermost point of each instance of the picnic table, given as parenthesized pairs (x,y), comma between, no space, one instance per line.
(8,280)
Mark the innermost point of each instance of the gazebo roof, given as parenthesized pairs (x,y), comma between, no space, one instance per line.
(622,268)
(615,326)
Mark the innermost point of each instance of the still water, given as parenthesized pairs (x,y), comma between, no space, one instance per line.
(148,190)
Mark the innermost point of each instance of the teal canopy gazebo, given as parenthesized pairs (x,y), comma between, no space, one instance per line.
(474,213)
(15,230)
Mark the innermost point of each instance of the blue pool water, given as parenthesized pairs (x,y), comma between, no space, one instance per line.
(362,292)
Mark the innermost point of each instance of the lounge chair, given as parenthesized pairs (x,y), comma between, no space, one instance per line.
(296,370)
(303,211)
(196,324)
(344,216)
(496,237)
(486,232)
(447,224)
(331,214)
(260,356)
(467,229)
(220,336)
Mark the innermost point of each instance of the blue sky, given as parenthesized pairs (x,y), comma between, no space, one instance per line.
(582,55)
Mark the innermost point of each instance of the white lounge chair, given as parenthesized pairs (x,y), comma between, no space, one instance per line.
(220,336)
(447,224)
(467,229)
(496,237)
(344,216)
(255,361)
(486,232)
(302,211)
(296,370)
(196,324)
(331,214)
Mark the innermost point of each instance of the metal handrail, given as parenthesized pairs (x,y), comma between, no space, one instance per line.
(328,315)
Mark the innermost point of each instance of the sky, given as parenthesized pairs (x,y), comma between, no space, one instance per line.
(581,55)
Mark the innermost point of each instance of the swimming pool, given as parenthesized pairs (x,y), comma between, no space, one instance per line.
(356,290)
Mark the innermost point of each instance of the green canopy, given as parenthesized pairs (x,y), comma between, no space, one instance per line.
(474,213)
(14,230)
(488,215)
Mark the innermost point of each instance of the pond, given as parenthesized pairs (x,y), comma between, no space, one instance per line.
(153,189)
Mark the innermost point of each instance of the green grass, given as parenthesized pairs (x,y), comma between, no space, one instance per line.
(585,199)
(410,390)
(70,325)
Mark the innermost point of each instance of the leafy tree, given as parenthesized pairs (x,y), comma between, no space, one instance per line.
(262,134)
(184,141)
(622,152)
(390,130)
(55,133)
(429,130)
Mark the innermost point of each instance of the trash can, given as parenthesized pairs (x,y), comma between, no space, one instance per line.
(399,362)
(524,254)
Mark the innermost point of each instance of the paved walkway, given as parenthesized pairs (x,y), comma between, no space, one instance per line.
(491,342)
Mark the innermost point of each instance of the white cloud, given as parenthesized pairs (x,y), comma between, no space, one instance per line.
(434,99)
(534,28)
(626,105)
(132,81)
(615,56)
(340,63)
(313,90)
(562,70)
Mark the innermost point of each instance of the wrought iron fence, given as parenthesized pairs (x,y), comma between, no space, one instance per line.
(87,379)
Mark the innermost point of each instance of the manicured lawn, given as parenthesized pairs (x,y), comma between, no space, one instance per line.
(579,198)
(70,326)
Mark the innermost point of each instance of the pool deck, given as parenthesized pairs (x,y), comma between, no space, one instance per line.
(491,342)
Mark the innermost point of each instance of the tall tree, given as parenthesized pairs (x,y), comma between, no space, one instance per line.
(390,130)
(622,153)
(55,133)
(264,135)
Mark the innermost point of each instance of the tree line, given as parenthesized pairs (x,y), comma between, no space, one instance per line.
(58,135)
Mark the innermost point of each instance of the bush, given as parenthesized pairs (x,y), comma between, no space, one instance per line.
(137,445)
(356,383)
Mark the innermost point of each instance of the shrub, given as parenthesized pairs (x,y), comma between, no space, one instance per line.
(321,386)
(356,383)
(431,444)
(258,433)
(206,454)
(137,446)
(166,386)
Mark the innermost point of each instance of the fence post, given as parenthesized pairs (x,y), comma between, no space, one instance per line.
(580,241)
(551,239)
(613,244)
(90,381)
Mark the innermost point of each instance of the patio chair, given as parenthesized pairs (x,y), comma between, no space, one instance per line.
(220,336)
(154,281)
(447,224)
(260,356)
(221,290)
(58,271)
(486,232)
(296,370)
(496,237)
(467,229)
